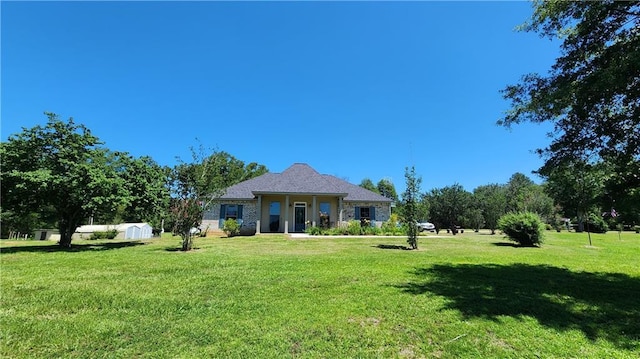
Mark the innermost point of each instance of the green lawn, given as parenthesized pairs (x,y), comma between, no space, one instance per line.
(469,296)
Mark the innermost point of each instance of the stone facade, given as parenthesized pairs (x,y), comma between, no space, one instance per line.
(249,219)
(211,219)
(383,211)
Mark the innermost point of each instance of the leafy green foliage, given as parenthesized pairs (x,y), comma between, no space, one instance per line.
(591,94)
(366,183)
(231,227)
(392,227)
(231,170)
(354,228)
(577,187)
(492,201)
(195,186)
(313,230)
(448,205)
(386,188)
(60,168)
(597,224)
(147,185)
(111,234)
(410,205)
(525,228)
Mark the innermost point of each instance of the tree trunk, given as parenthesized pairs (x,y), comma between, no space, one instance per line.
(187,241)
(65,234)
(67,227)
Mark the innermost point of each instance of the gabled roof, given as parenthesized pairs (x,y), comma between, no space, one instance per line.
(300,178)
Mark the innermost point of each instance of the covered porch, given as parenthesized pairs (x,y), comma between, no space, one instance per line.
(294,212)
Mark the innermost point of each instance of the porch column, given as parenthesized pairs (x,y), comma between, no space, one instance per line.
(259,214)
(340,211)
(286,214)
(314,212)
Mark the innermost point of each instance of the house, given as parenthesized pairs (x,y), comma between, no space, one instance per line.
(295,199)
(124,230)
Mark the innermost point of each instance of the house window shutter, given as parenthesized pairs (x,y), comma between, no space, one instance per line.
(357,214)
(223,211)
(239,211)
(372,214)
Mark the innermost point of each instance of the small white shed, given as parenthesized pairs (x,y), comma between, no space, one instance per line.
(46,235)
(125,230)
(134,231)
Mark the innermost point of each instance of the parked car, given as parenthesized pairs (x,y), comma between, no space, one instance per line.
(426,226)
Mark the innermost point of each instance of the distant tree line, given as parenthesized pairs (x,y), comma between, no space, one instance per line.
(582,194)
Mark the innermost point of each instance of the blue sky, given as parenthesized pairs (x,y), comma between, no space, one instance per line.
(355,89)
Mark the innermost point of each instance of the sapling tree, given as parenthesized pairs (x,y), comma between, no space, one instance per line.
(194,187)
(410,199)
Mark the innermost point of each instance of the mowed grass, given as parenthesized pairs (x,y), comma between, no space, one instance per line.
(468,296)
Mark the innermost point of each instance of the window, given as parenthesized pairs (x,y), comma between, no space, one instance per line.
(274,216)
(325,211)
(366,215)
(230,211)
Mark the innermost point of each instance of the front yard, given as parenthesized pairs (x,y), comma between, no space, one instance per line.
(468,296)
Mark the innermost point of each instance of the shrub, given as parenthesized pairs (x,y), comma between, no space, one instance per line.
(524,228)
(110,234)
(354,228)
(314,231)
(231,227)
(393,227)
(337,231)
(371,231)
(597,224)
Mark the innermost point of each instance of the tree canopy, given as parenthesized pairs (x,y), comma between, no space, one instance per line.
(386,188)
(592,92)
(448,205)
(367,183)
(491,199)
(62,168)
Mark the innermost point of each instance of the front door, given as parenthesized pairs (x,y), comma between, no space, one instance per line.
(300,216)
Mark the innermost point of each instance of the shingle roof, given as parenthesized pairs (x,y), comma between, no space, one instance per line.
(301,178)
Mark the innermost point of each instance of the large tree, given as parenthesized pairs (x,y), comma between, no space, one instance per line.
(491,199)
(231,170)
(523,195)
(448,205)
(146,182)
(386,188)
(367,183)
(592,92)
(60,167)
(578,188)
